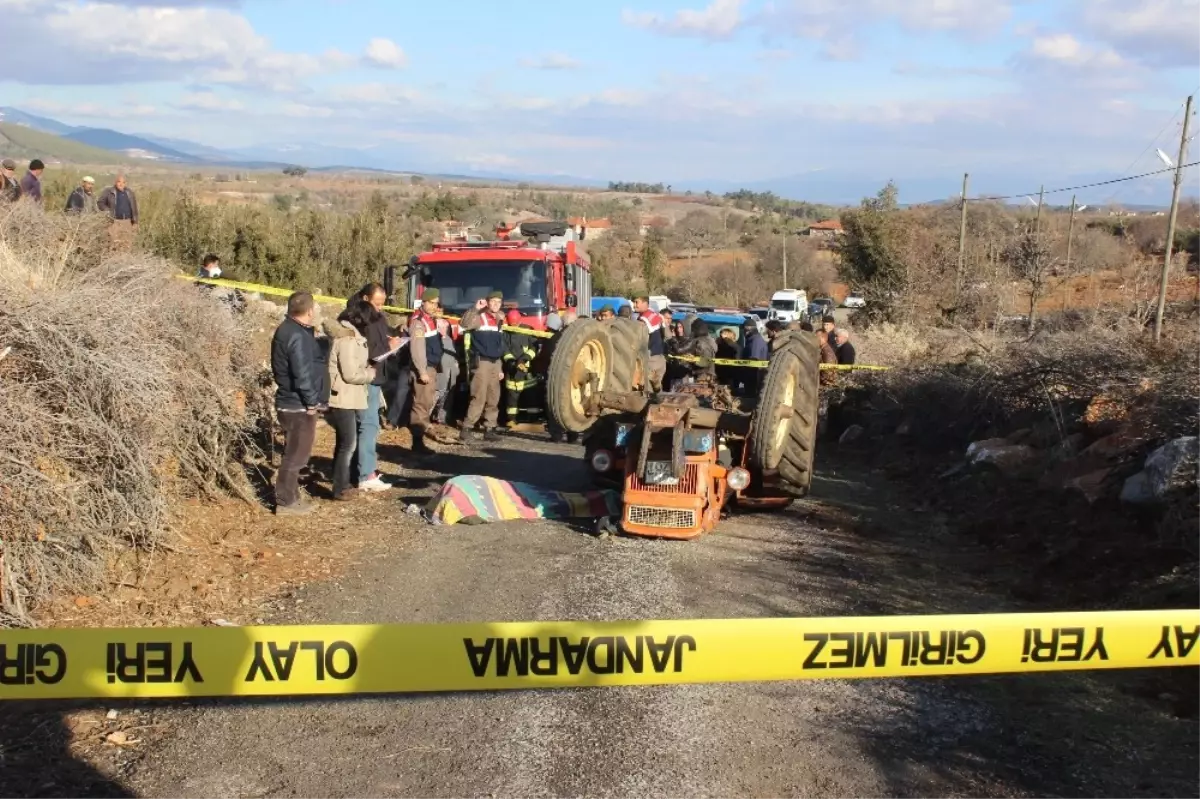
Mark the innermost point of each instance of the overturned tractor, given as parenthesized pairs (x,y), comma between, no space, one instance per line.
(681,457)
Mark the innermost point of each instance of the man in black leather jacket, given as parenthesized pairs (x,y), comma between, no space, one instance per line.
(302,392)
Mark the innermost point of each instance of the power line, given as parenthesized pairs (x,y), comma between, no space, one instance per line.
(1152,143)
(1083,186)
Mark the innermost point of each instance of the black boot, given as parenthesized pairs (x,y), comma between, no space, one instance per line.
(419,447)
(493,434)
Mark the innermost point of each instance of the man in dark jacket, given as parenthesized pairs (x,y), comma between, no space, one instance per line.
(485,324)
(31,184)
(119,202)
(755,349)
(843,347)
(82,200)
(10,187)
(302,391)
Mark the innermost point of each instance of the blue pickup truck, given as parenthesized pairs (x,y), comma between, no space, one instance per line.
(615,302)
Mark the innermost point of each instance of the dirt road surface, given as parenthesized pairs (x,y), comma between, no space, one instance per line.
(852,549)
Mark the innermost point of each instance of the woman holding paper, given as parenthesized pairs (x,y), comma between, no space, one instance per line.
(349,378)
(380,342)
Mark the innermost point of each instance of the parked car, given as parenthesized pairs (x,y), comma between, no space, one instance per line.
(854,300)
(819,307)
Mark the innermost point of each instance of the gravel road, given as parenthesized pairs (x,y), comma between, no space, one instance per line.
(1012,736)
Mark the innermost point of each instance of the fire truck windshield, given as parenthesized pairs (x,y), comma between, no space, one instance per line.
(461,283)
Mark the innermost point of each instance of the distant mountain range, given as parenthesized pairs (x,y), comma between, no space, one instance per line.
(833,186)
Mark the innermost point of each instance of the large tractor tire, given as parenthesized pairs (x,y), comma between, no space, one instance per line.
(786,440)
(582,364)
(630,344)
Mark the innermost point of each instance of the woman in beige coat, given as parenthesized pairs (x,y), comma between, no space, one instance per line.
(349,376)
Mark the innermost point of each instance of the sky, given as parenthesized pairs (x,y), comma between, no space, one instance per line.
(835,96)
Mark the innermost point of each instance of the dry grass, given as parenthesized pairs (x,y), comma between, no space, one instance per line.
(887,344)
(124,390)
(972,385)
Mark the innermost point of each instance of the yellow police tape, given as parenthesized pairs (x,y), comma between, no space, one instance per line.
(413,658)
(278,292)
(840,367)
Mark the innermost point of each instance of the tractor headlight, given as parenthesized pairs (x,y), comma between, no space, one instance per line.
(738,478)
(602,460)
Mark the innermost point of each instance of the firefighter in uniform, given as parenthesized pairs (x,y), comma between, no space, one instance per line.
(425,345)
(659,333)
(483,323)
(518,359)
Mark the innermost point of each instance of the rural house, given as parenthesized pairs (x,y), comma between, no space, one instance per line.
(825,229)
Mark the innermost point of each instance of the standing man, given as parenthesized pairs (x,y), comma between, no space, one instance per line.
(487,353)
(31,184)
(426,347)
(83,200)
(828,323)
(520,350)
(302,391)
(10,187)
(120,203)
(447,381)
(756,349)
(605,313)
(843,347)
(658,336)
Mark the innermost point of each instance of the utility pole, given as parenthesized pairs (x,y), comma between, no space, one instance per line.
(1038,223)
(1162,280)
(962,243)
(1070,232)
(785,238)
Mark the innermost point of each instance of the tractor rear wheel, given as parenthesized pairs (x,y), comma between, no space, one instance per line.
(630,345)
(582,365)
(784,436)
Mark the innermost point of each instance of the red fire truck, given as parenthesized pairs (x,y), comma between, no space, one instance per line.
(541,273)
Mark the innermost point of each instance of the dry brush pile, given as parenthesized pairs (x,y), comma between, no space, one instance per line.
(122,389)
(990,385)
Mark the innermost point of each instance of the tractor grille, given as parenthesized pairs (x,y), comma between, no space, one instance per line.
(670,518)
(686,484)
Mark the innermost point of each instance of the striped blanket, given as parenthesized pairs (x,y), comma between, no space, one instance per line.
(476,498)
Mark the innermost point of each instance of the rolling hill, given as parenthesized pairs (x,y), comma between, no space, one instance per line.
(45,124)
(21,142)
(115,141)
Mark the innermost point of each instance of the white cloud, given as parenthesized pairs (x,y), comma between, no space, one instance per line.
(1159,33)
(551,61)
(381,94)
(304,111)
(207,101)
(719,20)
(89,110)
(825,20)
(67,42)
(1065,49)
(385,54)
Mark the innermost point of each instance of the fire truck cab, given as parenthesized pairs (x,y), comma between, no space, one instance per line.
(544,272)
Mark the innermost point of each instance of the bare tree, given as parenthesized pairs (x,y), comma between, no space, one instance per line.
(1031,257)
(699,232)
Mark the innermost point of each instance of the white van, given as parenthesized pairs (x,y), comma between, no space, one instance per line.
(659,302)
(788,305)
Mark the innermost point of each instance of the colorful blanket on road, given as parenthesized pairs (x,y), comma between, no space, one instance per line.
(492,500)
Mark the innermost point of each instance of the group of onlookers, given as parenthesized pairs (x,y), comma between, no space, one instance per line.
(342,381)
(118,201)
